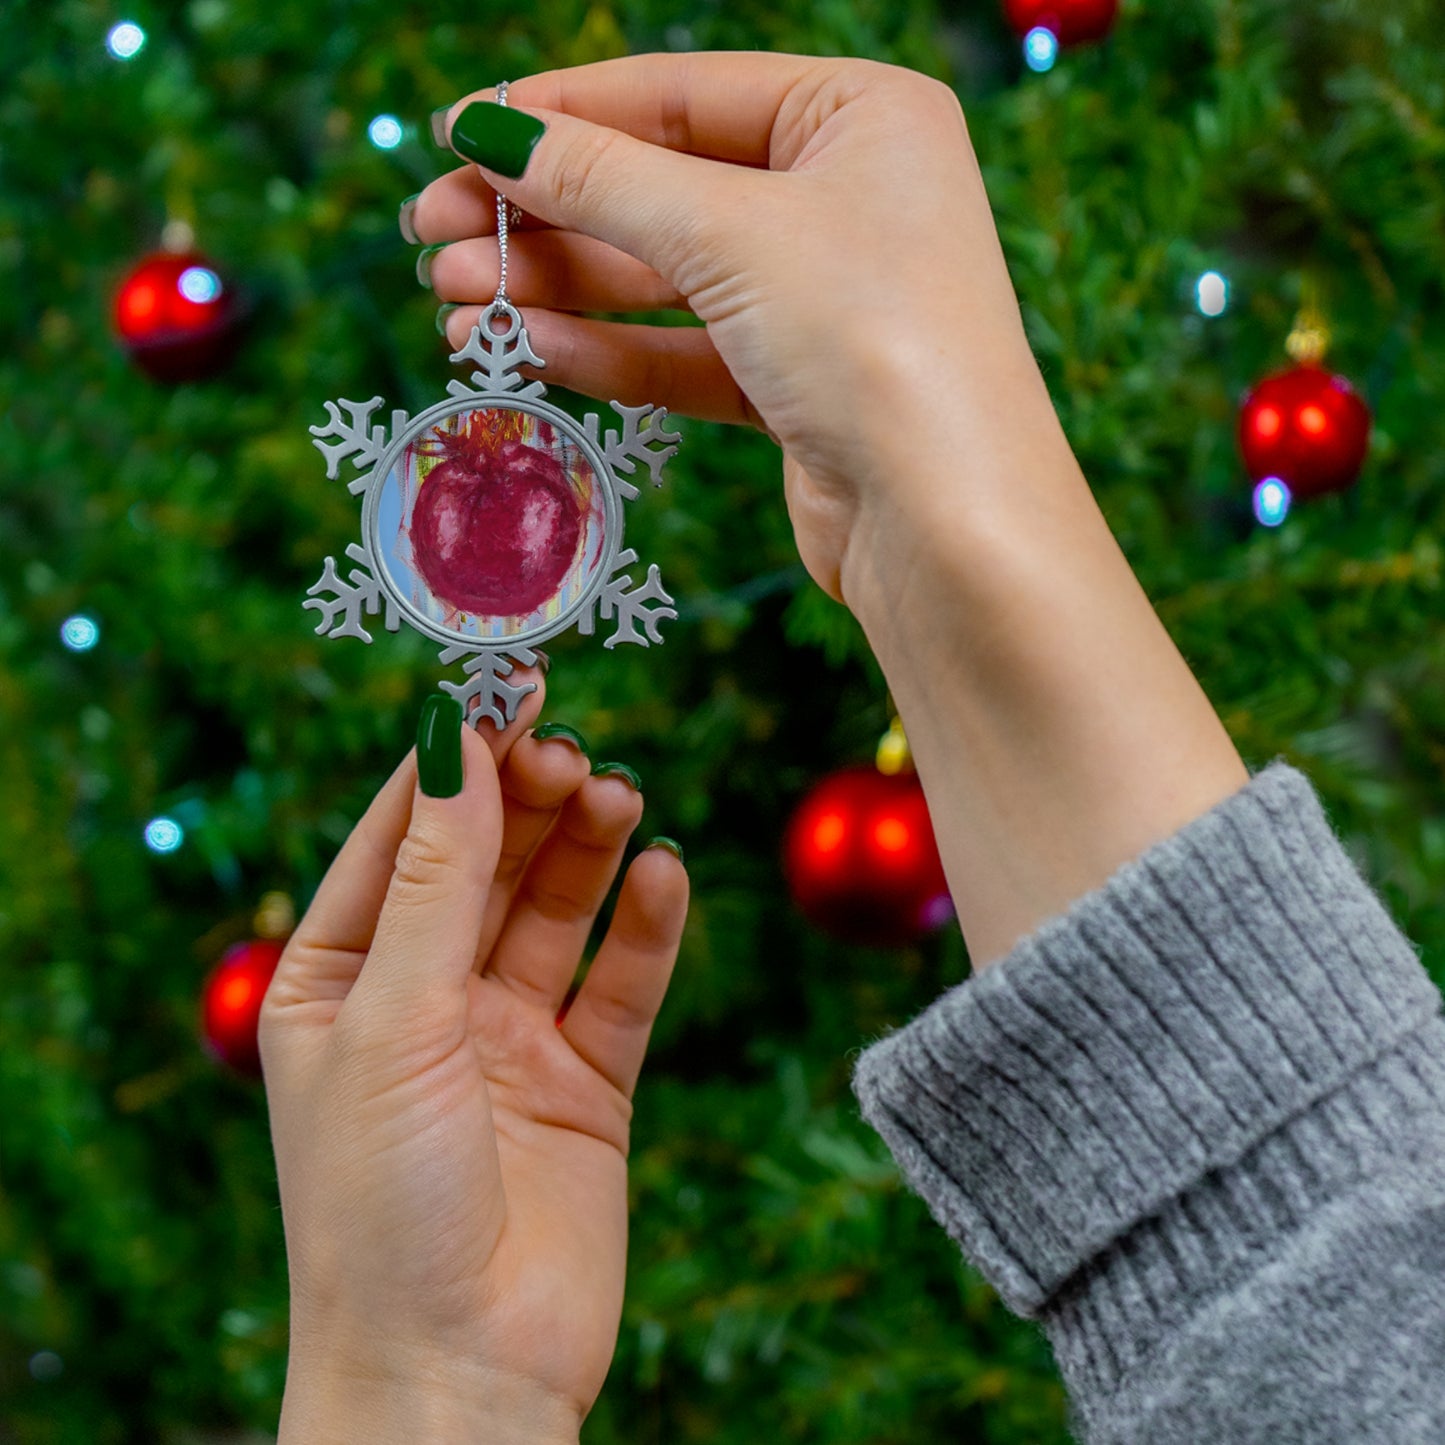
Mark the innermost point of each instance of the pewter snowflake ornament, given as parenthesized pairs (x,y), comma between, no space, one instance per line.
(493,521)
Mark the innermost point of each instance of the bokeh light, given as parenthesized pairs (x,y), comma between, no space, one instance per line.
(1271,502)
(80,633)
(164,835)
(126,40)
(1041,48)
(1211,293)
(199,284)
(385,132)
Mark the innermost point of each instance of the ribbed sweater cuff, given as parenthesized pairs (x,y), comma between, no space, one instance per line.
(1224,983)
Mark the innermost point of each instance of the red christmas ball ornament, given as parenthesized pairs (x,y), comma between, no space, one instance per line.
(1071,22)
(231,1003)
(861,860)
(1306,426)
(176,317)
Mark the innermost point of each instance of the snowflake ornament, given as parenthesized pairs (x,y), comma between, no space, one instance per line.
(493,521)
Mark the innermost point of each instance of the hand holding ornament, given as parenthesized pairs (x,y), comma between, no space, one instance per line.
(451,1146)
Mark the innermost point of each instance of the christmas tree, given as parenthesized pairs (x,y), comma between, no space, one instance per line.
(178,744)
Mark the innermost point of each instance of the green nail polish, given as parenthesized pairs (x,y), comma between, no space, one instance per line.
(671,844)
(561,730)
(423,263)
(617,770)
(439,125)
(404,220)
(496,136)
(439,747)
(443,312)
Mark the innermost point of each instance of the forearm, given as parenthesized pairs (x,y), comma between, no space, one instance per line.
(1057,730)
(406,1403)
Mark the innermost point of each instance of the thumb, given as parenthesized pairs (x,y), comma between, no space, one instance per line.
(421,954)
(646,200)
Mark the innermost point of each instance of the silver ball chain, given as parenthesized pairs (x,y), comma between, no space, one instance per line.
(504,210)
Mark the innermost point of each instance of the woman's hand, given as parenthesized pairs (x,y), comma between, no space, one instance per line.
(452,1157)
(828,222)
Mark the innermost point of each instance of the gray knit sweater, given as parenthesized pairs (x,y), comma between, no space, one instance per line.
(1196,1127)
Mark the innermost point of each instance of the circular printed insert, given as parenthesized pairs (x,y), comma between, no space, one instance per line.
(491,522)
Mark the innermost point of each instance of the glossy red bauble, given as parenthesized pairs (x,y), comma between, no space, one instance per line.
(861,860)
(1307,427)
(231,1003)
(176,318)
(1073,22)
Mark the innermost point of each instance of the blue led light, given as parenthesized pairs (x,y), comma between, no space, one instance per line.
(1041,48)
(1211,294)
(80,633)
(126,40)
(164,835)
(385,132)
(199,284)
(1271,502)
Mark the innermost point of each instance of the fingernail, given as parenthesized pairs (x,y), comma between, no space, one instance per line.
(439,747)
(443,312)
(439,125)
(543,661)
(617,770)
(423,263)
(496,136)
(404,219)
(561,730)
(671,844)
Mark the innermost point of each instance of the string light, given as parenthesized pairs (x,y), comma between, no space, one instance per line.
(80,633)
(1271,502)
(385,132)
(1041,48)
(126,40)
(164,835)
(1211,294)
(199,284)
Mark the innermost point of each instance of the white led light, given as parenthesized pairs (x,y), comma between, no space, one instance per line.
(1271,502)
(79,633)
(385,132)
(1041,48)
(126,40)
(164,835)
(1211,293)
(199,284)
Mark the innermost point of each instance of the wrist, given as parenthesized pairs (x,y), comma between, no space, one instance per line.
(1057,730)
(411,1398)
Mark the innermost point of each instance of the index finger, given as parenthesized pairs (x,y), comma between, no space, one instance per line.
(724,105)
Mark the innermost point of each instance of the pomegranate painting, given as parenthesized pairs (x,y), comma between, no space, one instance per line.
(497,522)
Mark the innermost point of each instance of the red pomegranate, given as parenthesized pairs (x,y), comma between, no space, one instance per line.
(496,523)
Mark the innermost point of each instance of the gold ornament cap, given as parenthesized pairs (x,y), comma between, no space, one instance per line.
(894,755)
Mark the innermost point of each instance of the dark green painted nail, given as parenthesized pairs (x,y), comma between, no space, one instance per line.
(439,747)
(671,844)
(617,770)
(423,262)
(561,730)
(443,312)
(404,220)
(439,125)
(496,136)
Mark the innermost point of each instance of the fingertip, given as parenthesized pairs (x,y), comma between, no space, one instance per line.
(500,741)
